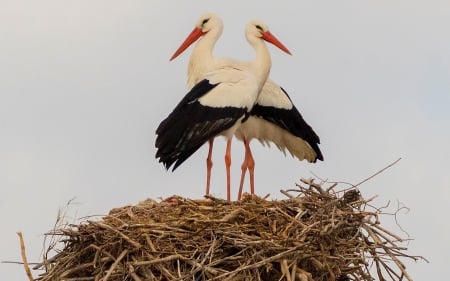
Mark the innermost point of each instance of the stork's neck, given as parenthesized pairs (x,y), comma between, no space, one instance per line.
(202,59)
(262,62)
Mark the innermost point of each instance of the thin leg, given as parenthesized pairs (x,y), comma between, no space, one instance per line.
(228,164)
(244,168)
(251,167)
(209,165)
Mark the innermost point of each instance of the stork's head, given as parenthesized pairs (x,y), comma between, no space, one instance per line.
(256,28)
(259,29)
(208,23)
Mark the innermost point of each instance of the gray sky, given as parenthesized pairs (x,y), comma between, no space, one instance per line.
(84,84)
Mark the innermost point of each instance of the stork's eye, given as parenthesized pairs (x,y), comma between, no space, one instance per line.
(259,28)
(204,21)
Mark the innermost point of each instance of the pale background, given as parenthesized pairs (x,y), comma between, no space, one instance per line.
(84,84)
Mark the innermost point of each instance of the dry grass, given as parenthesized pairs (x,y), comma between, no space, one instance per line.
(315,234)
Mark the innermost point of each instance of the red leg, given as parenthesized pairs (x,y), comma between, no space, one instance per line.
(209,165)
(251,168)
(244,168)
(228,164)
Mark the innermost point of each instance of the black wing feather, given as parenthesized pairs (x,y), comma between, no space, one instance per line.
(292,121)
(190,125)
(199,90)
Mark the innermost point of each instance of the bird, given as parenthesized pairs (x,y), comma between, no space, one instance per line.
(217,104)
(209,28)
(274,118)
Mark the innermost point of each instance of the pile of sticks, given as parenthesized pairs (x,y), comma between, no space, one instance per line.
(315,234)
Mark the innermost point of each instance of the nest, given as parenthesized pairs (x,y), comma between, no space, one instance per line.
(315,234)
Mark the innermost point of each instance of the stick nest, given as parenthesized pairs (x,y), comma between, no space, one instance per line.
(315,234)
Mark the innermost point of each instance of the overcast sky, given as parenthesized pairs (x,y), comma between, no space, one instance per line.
(84,84)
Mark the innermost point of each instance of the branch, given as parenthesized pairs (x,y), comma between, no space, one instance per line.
(24,257)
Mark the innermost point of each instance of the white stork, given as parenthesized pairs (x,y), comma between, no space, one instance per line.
(274,118)
(217,104)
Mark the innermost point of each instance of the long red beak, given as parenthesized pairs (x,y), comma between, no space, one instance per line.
(192,37)
(269,37)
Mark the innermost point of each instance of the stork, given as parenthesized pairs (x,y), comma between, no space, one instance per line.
(274,118)
(217,104)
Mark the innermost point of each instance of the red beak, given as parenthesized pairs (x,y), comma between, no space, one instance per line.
(192,37)
(269,37)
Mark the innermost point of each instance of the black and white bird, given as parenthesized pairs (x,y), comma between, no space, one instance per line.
(217,104)
(273,119)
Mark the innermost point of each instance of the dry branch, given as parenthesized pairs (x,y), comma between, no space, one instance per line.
(24,257)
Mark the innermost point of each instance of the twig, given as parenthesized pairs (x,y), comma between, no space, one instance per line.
(79,267)
(379,172)
(390,233)
(131,241)
(294,270)
(160,260)
(285,193)
(80,279)
(20,262)
(311,183)
(285,269)
(395,217)
(24,257)
(149,242)
(116,262)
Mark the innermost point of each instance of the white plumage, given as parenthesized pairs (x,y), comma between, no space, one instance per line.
(225,94)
